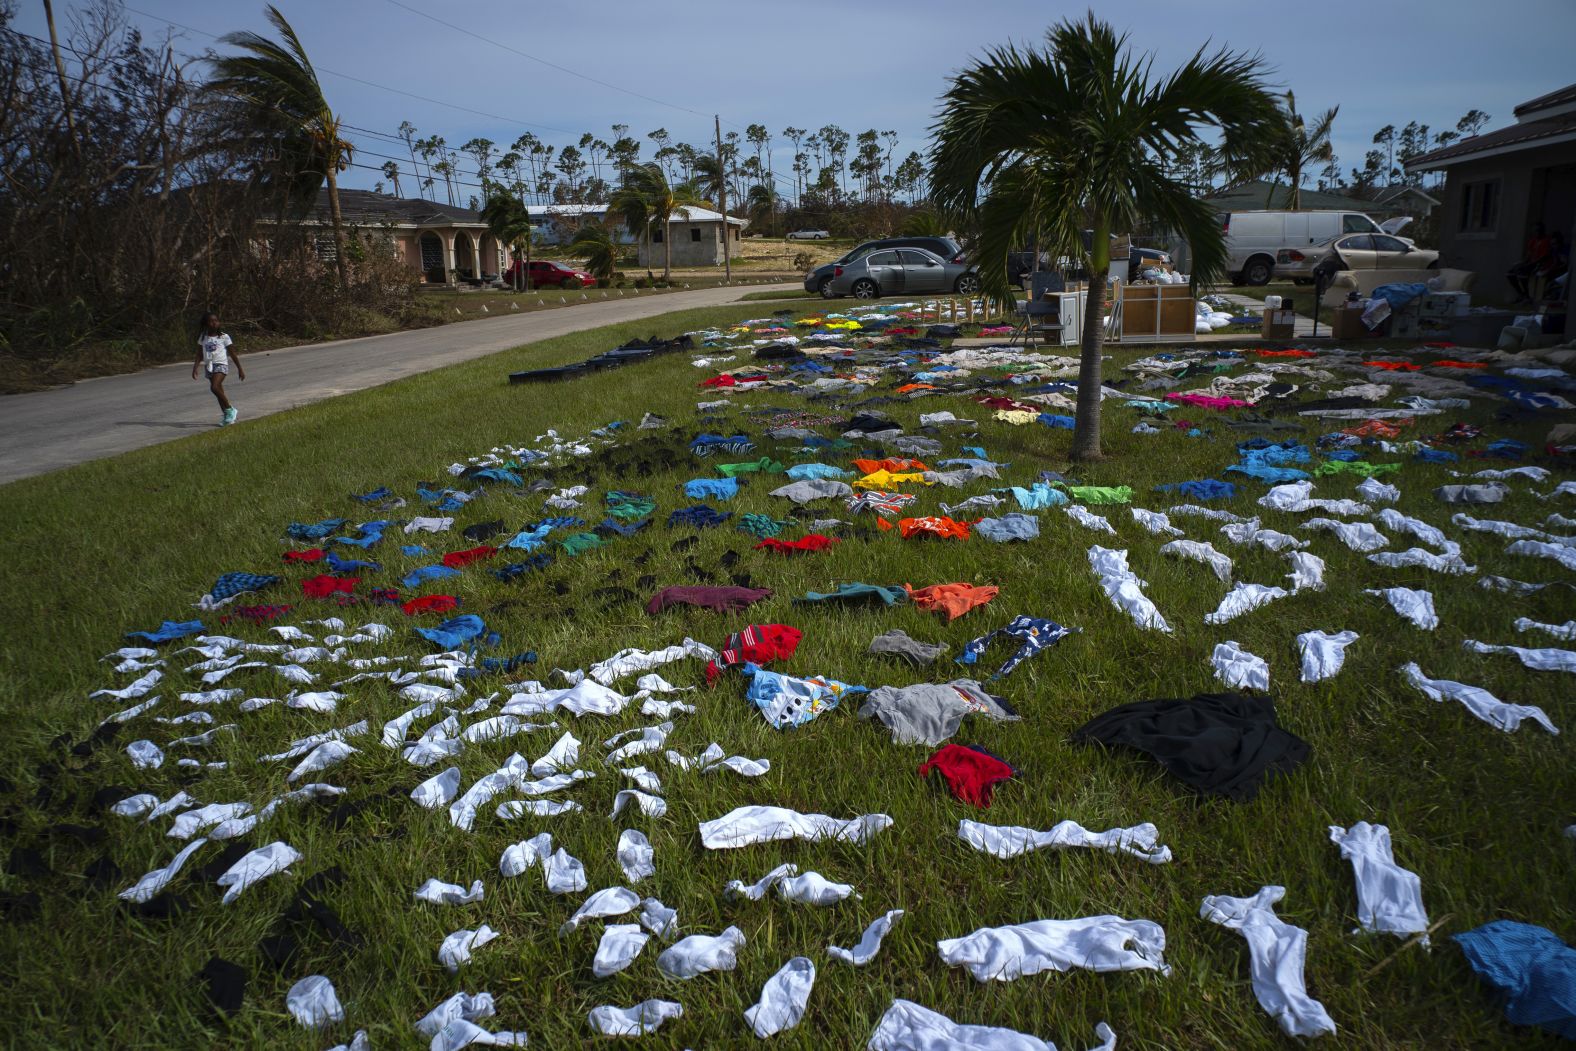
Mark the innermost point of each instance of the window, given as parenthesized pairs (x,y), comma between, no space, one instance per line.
(695,234)
(1356,224)
(1386,243)
(1358,243)
(881,259)
(912,257)
(431,252)
(1479,206)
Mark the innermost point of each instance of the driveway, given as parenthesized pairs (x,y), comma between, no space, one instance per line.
(47,430)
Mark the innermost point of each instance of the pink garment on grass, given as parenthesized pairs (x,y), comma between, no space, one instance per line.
(1208,401)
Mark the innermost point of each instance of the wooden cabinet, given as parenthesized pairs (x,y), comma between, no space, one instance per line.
(1152,312)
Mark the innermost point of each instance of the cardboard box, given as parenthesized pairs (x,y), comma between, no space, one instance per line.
(1279,324)
(1347,323)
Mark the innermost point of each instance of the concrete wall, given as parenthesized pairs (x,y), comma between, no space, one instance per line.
(686,250)
(1528,193)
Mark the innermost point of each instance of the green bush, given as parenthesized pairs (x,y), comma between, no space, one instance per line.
(572,283)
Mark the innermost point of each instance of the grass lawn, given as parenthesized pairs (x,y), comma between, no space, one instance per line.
(797,293)
(121,544)
(470,304)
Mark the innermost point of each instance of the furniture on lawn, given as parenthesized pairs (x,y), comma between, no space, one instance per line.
(1051,313)
(1149,313)
(1363,282)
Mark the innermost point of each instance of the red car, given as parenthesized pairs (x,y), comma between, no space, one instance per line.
(545,273)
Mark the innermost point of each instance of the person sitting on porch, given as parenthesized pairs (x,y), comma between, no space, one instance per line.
(1538,248)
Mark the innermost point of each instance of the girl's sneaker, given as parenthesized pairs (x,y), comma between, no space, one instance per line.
(224,418)
(229,415)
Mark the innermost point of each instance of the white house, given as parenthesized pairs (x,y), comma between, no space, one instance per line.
(696,232)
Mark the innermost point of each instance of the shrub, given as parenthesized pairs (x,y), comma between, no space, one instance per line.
(572,283)
(641,282)
(803,261)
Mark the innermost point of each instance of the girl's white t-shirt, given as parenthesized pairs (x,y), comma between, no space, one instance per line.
(214,350)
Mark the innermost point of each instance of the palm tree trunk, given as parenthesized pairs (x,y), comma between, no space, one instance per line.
(1086,429)
(667,250)
(339,225)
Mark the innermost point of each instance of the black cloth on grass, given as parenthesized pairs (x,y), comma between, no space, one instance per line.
(1219,743)
(226,984)
(483,530)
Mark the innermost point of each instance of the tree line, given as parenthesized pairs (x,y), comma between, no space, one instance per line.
(828,166)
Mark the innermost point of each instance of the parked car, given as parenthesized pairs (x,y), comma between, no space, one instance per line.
(902,271)
(1021,264)
(1352,252)
(809,235)
(1254,239)
(545,273)
(819,279)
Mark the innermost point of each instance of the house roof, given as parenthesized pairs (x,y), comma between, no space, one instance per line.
(684,215)
(1557,97)
(1542,121)
(1521,136)
(1392,194)
(1259,195)
(365,208)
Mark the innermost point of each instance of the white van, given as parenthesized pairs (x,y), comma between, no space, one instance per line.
(1253,238)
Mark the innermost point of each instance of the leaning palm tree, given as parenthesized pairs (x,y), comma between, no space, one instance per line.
(509,221)
(662,200)
(709,177)
(1300,146)
(1046,143)
(596,245)
(289,115)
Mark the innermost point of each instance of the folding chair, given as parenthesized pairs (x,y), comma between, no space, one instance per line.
(1040,315)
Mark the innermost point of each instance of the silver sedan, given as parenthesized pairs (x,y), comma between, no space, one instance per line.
(902,272)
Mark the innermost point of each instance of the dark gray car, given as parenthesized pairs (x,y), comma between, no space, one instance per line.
(902,272)
(819,280)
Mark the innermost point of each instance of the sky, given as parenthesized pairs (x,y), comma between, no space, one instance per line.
(880,64)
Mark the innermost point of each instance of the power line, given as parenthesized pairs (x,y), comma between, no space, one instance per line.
(543,61)
(778,180)
(373,84)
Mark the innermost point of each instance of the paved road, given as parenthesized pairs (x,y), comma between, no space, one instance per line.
(48,430)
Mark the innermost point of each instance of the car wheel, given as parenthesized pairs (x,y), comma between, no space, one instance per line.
(865,288)
(967,285)
(825,289)
(1257,271)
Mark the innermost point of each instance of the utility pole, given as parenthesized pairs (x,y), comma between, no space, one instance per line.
(722,193)
(60,70)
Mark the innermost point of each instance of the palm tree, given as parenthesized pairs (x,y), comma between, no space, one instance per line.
(1050,142)
(1300,146)
(596,245)
(659,200)
(276,83)
(761,203)
(709,177)
(391,169)
(510,222)
(628,205)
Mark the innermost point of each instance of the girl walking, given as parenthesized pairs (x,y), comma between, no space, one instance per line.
(214,354)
